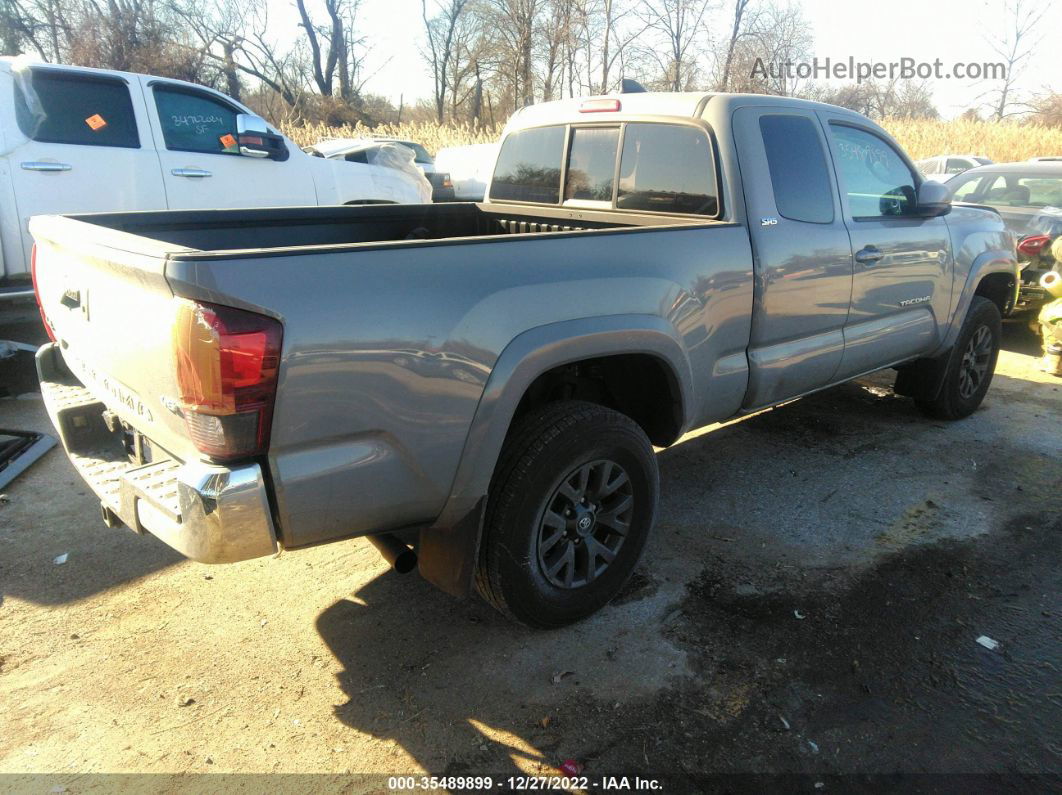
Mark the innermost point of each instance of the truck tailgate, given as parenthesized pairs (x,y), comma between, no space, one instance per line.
(111,310)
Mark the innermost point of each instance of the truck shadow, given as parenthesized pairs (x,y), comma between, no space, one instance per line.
(836,483)
(97,558)
(49,511)
(1018,337)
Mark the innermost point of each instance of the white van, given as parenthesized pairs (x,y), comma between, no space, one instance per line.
(76,140)
(469,167)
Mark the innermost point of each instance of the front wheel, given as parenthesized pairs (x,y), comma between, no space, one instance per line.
(970,365)
(568,513)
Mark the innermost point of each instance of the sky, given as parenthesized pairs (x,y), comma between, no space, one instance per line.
(952,30)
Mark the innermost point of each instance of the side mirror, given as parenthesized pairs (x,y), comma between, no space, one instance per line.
(934,199)
(256,139)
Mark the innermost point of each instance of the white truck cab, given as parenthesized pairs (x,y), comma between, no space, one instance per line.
(75,140)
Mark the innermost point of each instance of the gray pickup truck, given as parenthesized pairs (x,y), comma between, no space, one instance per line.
(493,377)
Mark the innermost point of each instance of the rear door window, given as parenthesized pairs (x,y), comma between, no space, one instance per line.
(799,173)
(529,166)
(195,122)
(69,108)
(667,168)
(591,164)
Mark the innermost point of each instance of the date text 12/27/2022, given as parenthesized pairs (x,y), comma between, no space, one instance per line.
(529,783)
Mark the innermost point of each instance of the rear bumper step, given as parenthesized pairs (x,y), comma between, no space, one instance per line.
(209,513)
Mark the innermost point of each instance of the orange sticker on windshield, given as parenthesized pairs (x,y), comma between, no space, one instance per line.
(96,121)
(227,141)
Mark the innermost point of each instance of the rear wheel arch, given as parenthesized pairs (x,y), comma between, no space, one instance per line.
(548,356)
(641,386)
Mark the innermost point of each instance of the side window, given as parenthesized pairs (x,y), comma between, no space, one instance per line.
(877,181)
(966,190)
(996,189)
(957,165)
(529,166)
(667,168)
(66,108)
(799,173)
(194,122)
(591,164)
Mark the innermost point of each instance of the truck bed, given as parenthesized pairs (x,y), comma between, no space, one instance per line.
(285,228)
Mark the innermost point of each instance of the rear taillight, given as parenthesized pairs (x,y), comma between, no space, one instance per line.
(227,361)
(1032,245)
(37,293)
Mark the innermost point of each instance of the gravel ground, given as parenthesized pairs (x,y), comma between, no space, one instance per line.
(810,603)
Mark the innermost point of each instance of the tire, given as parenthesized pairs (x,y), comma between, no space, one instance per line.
(970,364)
(540,566)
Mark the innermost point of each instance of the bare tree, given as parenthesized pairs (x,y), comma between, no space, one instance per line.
(679,25)
(441,31)
(515,26)
(37,26)
(1014,45)
(334,48)
(736,31)
(771,43)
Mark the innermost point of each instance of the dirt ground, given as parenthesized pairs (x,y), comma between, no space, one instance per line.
(809,603)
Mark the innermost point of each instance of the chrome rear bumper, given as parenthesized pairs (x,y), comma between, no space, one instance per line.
(209,513)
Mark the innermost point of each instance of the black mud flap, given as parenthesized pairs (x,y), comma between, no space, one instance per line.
(446,556)
(922,379)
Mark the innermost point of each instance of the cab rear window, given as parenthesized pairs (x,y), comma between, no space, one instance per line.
(69,108)
(667,168)
(529,166)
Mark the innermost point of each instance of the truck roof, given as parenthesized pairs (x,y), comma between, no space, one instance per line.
(657,103)
(11,63)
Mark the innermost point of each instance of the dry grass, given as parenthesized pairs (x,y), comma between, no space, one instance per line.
(432,137)
(1001,142)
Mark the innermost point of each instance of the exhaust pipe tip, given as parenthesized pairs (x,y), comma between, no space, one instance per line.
(401,557)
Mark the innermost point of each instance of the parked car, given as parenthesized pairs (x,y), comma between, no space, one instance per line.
(469,168)
(1028,196)
(944,167)
(362,150)
(85,140)
(387,155)
(494,376)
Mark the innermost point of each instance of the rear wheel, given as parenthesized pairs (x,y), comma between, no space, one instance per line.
(568,513)
(969,366)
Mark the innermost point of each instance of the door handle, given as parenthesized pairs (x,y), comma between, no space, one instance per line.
(190,172)
(868,255)
(44,165)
